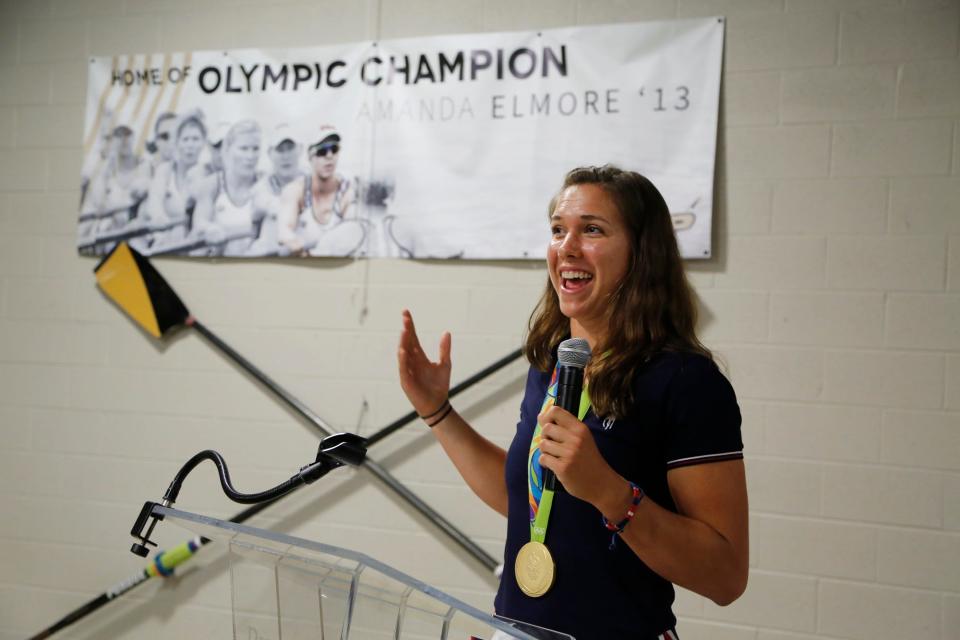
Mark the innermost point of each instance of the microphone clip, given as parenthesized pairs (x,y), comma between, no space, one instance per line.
(335,451)
(146,513)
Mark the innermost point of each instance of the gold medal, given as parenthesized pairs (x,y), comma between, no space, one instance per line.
(534,569)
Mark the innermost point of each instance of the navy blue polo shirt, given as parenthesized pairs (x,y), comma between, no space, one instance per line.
(685,412)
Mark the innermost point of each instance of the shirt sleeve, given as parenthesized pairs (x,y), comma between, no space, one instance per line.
(703,418)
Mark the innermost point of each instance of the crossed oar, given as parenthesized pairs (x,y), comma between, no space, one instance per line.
(132,283)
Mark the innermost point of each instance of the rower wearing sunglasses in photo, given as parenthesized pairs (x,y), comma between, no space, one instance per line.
(317,215)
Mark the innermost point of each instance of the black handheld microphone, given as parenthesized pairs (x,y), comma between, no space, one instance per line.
(573,356)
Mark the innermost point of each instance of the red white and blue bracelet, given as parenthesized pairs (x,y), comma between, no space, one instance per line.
(631,510)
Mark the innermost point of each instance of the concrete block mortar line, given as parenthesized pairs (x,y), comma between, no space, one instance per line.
(64,457)
(943,616)
(31,539)
(780,88)
(944,491)
(889,585)
(943,390)
(957,39)
(771,186)
(848,290)
(883,318)
(825,242)
(888,217)
(107,504)
(956,143)
(876,527)
(770,317)
(955,168)
(17,43)
(763,427)
(864,465)
(896,91)
(839,41)
(16,128)
(58,590)
(846,464)
(449,587)
(831,150)
(779,573)
(57,545)
(375,19)
(823,386)
(945,279)
(819,580)
(417,532)
(467,590)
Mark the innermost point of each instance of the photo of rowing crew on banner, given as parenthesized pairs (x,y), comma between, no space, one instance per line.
(232,189)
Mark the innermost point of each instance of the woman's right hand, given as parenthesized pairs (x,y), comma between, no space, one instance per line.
(426,383)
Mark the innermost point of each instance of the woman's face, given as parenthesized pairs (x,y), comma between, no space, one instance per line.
(323,158)
(123,142)
(285,159)
(243,153)
(588,256)
(189,144)
(163,134)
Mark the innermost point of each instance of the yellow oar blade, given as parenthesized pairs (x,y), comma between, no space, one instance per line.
(135,286)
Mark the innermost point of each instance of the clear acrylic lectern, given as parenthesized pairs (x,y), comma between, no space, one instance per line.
(293,589)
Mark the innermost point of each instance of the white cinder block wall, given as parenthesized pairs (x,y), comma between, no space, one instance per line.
(834,299)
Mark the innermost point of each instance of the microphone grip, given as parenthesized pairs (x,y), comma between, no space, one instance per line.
(569,389)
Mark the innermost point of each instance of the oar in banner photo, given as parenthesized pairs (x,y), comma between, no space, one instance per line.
(132,283)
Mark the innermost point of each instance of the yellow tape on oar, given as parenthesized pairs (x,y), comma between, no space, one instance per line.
(166,561)
(135,286)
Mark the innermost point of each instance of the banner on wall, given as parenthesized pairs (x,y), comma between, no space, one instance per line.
(438,147)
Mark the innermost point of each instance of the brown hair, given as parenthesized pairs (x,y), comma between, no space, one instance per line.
(193,119)
(652,310)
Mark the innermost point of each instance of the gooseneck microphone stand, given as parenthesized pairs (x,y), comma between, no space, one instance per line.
(335,451)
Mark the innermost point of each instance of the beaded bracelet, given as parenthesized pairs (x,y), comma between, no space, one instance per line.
(631,510)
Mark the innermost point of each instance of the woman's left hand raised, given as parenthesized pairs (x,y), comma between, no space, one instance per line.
(568,449)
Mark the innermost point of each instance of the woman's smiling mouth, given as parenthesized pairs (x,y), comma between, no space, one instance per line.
(572,280)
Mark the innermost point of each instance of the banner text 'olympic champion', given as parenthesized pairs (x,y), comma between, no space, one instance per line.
(520,63)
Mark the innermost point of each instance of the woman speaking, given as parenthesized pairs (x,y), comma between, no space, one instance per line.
(653,490)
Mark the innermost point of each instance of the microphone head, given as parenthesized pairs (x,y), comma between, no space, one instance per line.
(574,352)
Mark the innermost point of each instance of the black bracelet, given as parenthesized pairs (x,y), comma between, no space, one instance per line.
(443,406)
(442,416)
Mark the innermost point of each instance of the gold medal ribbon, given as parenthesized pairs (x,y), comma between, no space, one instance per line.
(534,566)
